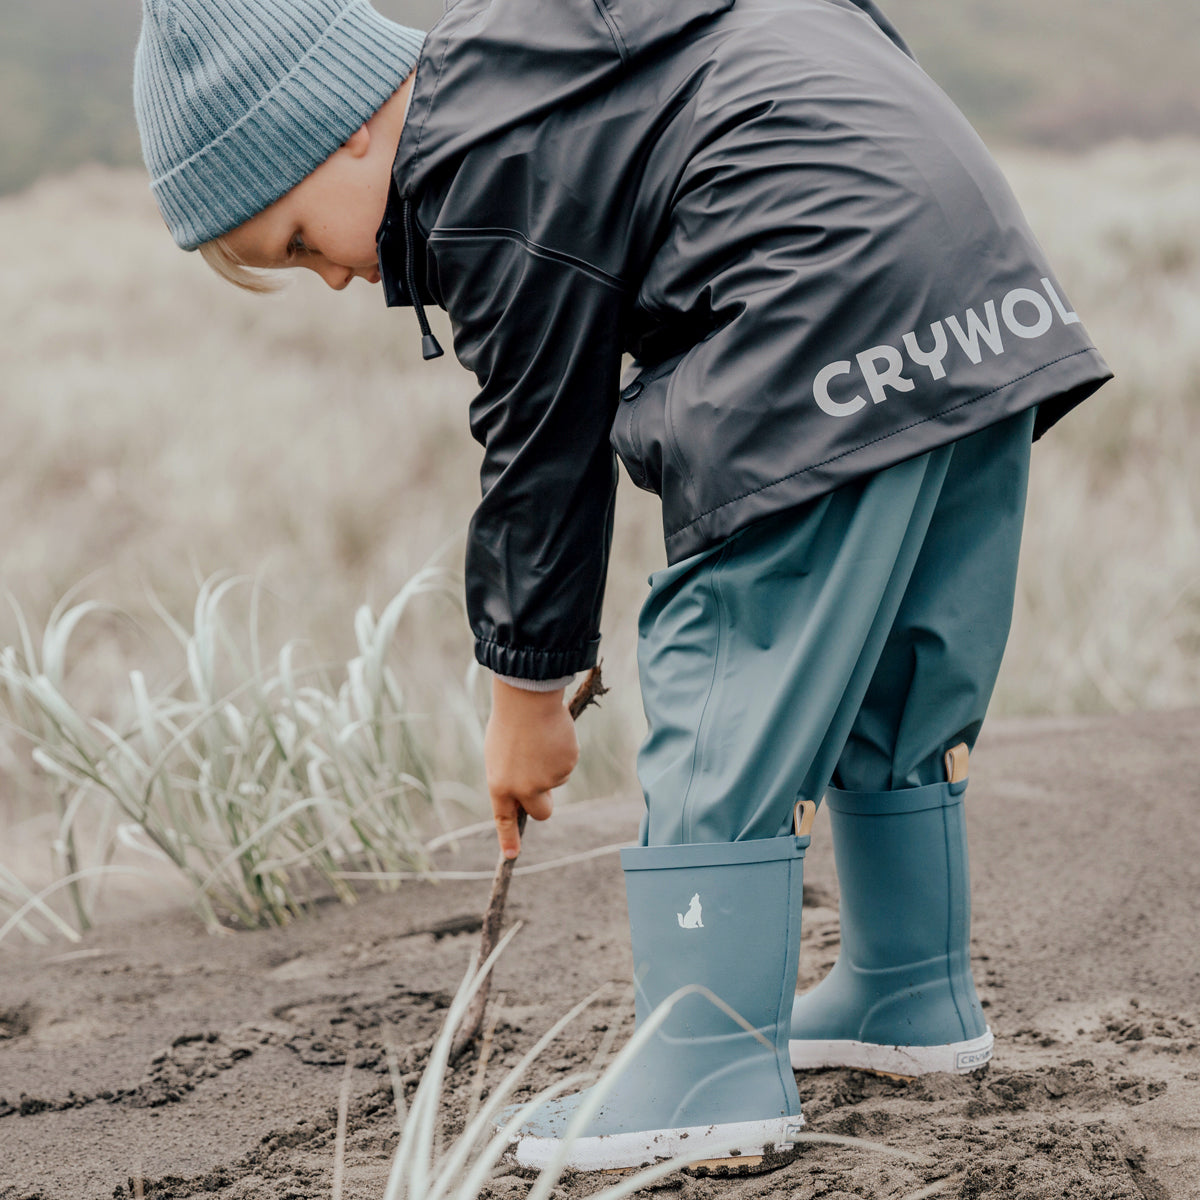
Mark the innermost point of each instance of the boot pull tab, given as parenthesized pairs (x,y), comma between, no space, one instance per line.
(803,816)
(956,763)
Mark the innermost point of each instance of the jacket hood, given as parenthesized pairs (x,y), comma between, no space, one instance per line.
(488,65)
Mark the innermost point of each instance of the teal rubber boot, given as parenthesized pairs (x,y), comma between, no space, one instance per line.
(900,999)
(725,916)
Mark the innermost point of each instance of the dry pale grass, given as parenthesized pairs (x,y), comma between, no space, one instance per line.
(157,427)
(1108,615)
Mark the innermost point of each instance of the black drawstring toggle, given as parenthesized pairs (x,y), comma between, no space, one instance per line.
(429,344)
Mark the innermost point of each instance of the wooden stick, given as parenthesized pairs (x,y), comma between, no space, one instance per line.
(588,693)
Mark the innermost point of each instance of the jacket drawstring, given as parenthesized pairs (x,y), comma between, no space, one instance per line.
(430,347)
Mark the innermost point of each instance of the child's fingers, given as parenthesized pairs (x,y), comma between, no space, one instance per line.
(507,831)
(539,806)
(505,812)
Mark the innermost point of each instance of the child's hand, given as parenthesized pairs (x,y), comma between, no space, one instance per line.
(530,747)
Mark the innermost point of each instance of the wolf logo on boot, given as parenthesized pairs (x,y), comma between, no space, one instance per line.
(691,918)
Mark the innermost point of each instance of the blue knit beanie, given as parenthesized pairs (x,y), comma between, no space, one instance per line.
(239,100)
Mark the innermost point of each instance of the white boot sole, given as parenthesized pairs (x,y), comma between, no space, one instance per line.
(726,1146)
(955,1057)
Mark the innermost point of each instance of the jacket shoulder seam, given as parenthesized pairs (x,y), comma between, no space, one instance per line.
(881,438)
(416,154)
(613,32)
(483,233)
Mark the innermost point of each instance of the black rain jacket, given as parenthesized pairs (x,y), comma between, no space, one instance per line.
(810,255)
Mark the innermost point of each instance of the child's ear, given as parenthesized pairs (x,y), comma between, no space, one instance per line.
(359,142)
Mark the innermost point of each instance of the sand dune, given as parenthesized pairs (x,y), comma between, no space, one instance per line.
(211,1066)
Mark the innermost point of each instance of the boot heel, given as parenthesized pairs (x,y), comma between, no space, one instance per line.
(900,999)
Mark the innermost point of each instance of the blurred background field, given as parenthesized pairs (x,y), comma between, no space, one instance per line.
(1065,75)
(158,428)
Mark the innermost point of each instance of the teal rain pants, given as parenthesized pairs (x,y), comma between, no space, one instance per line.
(852,640)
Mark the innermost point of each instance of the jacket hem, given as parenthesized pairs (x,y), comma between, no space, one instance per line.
(520,662)
(1058,386)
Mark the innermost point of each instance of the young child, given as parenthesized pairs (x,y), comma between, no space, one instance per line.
(845,339)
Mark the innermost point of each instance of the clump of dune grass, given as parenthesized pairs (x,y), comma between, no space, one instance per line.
(262,782)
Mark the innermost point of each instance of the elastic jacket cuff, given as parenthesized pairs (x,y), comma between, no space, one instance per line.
(536,685)
(528,664)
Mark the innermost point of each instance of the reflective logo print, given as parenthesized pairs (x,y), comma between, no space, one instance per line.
(691,919)
(964,1060)
(1023,312)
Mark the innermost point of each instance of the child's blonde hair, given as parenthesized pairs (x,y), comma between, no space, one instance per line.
(220,256)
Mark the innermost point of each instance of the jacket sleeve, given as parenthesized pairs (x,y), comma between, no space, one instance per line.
(542,336)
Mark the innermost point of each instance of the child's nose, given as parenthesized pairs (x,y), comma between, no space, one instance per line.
(336,277)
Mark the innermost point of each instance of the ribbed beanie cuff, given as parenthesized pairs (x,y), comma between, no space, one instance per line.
(239,100)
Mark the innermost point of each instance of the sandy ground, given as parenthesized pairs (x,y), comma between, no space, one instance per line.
(160,1059)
